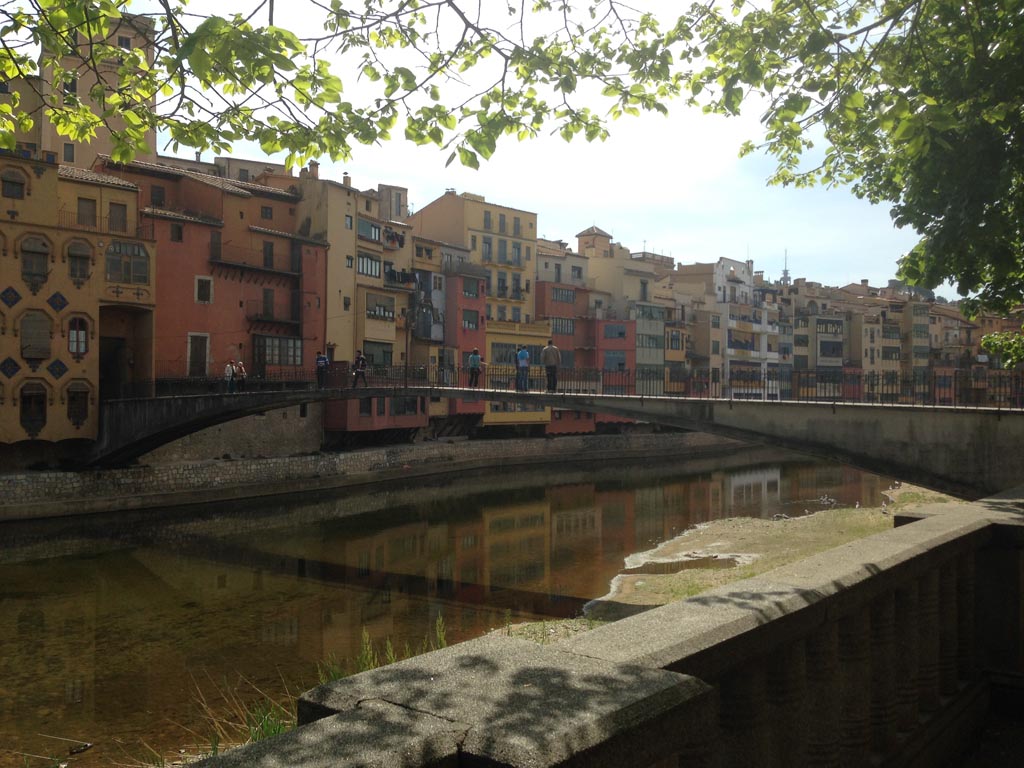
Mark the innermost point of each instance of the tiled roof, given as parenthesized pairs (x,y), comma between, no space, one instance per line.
(163,213)
(241,188)
(290,236)
(593,231)
(92,177)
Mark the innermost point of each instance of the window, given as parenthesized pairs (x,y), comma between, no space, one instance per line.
(35,262)
(78,337)
(204,290)
(347,302)
(268,254)
(515,226)
(69,152)
(157,195)
(614,331)
(614,361)
(123,41)
(266,212)
(424,252)
(716,321)
(565,295)
(78,403)
(501,222)
(33,408)
(3,87)
(649,341)
(716,347)
(502,312)
(830,349)
(485,251)
(86,212)
(366,406)
(577,273)
(382,406)
(517,253)
(177,233)
(36,332)
(118,217)
(378,353)
(470,287)
(472,242)
(79,261)
(277,350)
(243,174)
(368,265)
(348,221)
(71,86)
(349,261)
(127,263)
(502,251)
(13,184)
(268,303)
(801,340)
(367,205)
(368,230)
(516,315)
(564,326)
(487,219)
(470,319)
(675,340)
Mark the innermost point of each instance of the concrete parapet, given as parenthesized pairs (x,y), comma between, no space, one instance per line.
(882,651)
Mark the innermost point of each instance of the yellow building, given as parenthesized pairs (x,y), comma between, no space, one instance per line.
(502,240)
(369,265)
(77,295)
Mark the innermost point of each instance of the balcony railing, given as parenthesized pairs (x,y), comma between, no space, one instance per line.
(104,225)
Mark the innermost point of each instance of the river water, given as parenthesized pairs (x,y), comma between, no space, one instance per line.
(115,629)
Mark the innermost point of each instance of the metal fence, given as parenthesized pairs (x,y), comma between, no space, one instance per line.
(977,388)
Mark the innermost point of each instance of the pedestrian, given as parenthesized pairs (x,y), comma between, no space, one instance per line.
(321,369)
(229,376)
(359,369)
(523,369)
(240,375)
(475,362)
(551,358)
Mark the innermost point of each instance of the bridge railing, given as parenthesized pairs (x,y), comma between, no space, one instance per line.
(960,388)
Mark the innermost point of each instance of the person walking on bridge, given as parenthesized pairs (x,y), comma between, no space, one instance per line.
(522,369)
(359,369)
(322,364)
(551,358)
(475,362)
(229,377)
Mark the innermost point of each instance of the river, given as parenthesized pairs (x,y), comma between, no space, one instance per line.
(126,631)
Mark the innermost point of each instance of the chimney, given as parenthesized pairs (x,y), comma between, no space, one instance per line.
(346,179)
(314,169)
(199,156)
(864,282)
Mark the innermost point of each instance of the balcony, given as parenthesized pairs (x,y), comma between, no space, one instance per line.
(257,311)
(238,257)
(115,226)
(394,278)
(380,313)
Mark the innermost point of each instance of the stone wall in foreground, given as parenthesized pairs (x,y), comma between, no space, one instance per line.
(884,651)
(25,495)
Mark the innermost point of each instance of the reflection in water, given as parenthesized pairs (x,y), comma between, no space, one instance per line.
(108,627)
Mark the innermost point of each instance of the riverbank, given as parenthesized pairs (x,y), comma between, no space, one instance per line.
(723,551)
(37,495)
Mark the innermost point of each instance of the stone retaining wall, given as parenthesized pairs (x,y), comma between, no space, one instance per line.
(28,495)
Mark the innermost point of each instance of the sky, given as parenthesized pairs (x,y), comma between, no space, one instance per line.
(669,185)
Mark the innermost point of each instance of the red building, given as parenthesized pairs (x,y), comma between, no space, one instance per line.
(234,279)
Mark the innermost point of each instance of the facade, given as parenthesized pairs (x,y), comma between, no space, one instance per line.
(230,254)
(77,296)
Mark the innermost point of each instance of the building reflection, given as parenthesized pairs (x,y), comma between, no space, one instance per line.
(120,642)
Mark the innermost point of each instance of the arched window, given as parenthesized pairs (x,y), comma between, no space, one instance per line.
(35,262)
(33,408)
(78,337)
(36,332)
(78,395)
(79,261)
(14,182)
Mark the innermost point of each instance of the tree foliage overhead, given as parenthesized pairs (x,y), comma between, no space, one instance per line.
(917,103)
(914,103)
(219,76)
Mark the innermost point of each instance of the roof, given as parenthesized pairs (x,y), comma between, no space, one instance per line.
(233,186)
(92,177)
(289,235)
(163,213)
(594,231)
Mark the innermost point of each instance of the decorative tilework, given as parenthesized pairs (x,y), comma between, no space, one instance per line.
(57,301)
(57,369)
(10,297)
(9,367)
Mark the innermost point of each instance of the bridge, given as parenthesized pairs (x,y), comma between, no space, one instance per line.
(973,451)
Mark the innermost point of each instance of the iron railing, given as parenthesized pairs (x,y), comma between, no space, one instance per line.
(977,388)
